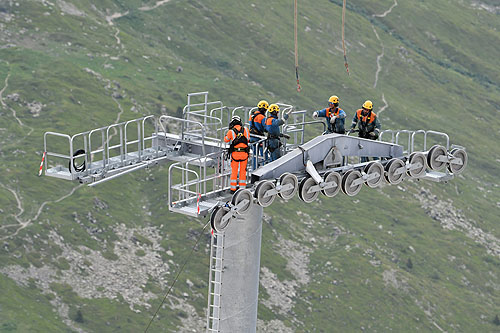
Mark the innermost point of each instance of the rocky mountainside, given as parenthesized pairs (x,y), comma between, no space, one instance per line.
(419,256)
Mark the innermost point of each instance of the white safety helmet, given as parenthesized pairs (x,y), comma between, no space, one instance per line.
(235,120)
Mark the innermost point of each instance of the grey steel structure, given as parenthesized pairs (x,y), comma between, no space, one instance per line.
(199,172)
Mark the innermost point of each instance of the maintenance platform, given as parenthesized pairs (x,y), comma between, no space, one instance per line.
(199,171)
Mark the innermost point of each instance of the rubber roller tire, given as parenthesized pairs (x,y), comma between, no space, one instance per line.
(456,168)
(239,196)
(216,219)
(432,156)
(304,186)
(288,178)
(261,190)
(390,169)
(347,179)
(371,168)
(332,176)
(415,158)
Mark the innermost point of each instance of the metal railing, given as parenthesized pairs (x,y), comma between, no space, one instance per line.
(410,147)
(298,132)
(196,180)
(184,137)
(101,159)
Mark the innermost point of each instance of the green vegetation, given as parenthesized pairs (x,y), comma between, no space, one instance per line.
(391,265)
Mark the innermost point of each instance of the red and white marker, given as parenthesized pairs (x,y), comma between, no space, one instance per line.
(41,164)
(198,203)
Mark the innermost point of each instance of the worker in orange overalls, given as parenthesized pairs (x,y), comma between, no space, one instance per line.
(238,136)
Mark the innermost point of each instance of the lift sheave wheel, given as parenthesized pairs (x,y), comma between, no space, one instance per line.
(372,168)
(260,193)
(239,196)
(216,219)
(414,159)
(432,157)
(347,182)
(460,154)
(304,187)
(390,174)
(285,179)
(332,177)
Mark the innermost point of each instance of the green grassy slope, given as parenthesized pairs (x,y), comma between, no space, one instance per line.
(377,261)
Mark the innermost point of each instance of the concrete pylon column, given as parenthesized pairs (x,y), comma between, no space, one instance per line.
(240,276)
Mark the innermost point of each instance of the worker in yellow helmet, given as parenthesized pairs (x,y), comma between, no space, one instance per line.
(257,131)
(335,116)
(368,123)
(272,126)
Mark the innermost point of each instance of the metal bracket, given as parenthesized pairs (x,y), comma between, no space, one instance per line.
(369,176)
(233,210)
(399,171)
(413,166)
(278,189)
(442,158)
(364,178)
(438,177)
(311,170)
(456,160)
(322,186)
(239,206)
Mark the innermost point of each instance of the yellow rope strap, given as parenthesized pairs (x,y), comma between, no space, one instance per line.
(343,41)
(296,47)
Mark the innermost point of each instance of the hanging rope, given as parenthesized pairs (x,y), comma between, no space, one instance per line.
(296,48)
(343,41)
(177,276)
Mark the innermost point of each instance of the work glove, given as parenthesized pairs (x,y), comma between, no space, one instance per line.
(286,136)
(285,116)
(332,119)
(372,135)
(315,114)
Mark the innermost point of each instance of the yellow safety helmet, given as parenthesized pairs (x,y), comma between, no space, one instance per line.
(368,105)
(333,99)
(263,104)
(274,108)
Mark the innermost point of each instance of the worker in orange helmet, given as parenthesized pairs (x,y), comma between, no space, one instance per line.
(238,136)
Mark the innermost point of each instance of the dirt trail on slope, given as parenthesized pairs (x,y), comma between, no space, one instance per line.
(387,12)
(384,107)
(156,5)
(14,114)
(23,224)
(381,55)
(3,89)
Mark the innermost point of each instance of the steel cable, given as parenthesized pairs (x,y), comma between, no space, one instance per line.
(177,276)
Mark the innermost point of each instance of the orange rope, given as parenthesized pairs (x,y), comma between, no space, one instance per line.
(296,47)
(343,41)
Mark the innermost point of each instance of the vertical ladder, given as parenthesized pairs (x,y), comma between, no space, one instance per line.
(215,281)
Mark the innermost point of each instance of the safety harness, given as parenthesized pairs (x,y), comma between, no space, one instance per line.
(364,121)
(253,128)
(239,138)
(335,111)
